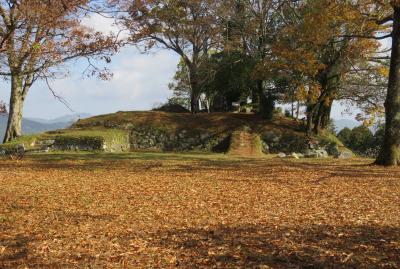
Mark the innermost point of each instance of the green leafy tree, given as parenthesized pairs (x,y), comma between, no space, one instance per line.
(344,136)
(232,80)
(180,86)
(361,139)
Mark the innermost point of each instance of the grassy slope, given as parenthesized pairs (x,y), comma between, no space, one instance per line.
(117,125)
(102,134)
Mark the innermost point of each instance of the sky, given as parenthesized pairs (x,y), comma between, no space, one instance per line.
(140,82)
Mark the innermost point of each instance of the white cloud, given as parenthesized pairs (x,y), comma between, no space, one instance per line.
(100,24)
(139,82)
(104,25)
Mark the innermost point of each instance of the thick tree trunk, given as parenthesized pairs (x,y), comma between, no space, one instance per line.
(326,116)
(309,116)
(14,124)
(322,115)
(390,152)
(266,102)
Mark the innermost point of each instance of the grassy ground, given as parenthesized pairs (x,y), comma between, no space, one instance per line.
(153,210)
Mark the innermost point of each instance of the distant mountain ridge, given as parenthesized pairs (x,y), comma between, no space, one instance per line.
(67,118)
(37,125)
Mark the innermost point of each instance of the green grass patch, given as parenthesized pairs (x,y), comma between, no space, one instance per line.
(27,140)
(95,139)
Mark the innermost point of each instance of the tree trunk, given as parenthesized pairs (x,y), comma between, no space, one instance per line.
(14,124)
(309,114)
(390,151)
(318,117)
(266,103)
(293,104)
(255,98)
(322,115)
(194,102)
(326,116)
(195,91)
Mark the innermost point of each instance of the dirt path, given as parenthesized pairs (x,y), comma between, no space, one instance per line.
(245,144)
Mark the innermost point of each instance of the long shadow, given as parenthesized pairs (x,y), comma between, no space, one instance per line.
(276,247)
(17,254)
(194,162)
(17,250)
(92,161)
(246,246)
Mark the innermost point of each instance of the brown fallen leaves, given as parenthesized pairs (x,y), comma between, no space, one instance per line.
(175,211)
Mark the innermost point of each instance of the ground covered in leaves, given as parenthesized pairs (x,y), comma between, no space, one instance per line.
(196,211)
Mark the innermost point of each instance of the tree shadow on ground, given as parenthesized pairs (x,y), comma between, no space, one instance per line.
(248,246)
(277,247)
(269,168)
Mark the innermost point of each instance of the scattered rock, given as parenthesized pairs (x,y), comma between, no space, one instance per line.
(281,155)
(321,153)
(295,155)
(310,153)
(316,153)
(20,148)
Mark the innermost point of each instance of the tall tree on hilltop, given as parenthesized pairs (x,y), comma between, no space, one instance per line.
(390,151)
(317,47)
(44,35)
(252,30)
(189,28)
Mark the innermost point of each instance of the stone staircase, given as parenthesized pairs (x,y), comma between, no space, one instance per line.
(245,143)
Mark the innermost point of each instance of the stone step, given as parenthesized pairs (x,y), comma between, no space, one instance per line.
(244,143)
